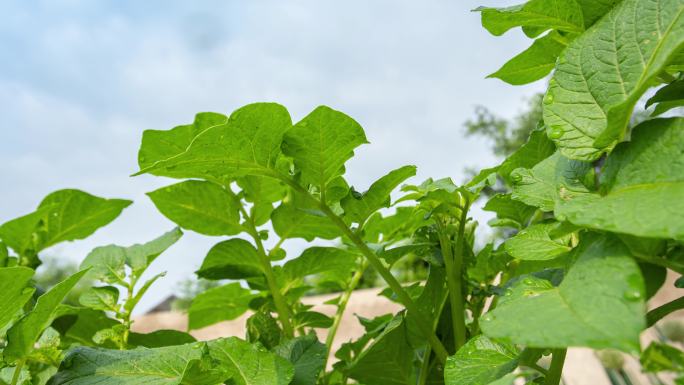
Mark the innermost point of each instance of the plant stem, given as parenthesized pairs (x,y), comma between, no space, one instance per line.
(17,371)
(425,367)
(658,313)
(374,260)
(556,369)
(455,292)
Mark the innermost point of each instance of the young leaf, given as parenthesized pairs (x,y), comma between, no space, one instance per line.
(85,366)
(533,63)
(292,222)
(359,208)
(247,144)
(307,355)
(251,365)
(14,292)
(63,215)
(642,185)
(539,15)
(101,298)
(140,256)
(599,304)
(107,264)
(480,361)
(603,73)
(321,143)
(200,206)
(158,145)
(218,304)
(660,357)
(231,259)
(539,242)
(24,333)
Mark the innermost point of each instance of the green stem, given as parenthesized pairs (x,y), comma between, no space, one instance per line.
(556,369)
(455,291)
(458,307)
(374,260)
(126,316)
(425,367)
(341,306)
(658,313)
(17,371)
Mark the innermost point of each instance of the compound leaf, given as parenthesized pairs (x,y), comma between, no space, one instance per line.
(480,362)
(307,355)
(250,364)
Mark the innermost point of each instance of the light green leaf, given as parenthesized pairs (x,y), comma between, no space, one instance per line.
(358,207)
(14,292)
(660,357)
(101,298)
(107,264)
(24,333)
(541,185)
(200,206)
(247,144)
(78,325)
(307,355)
(140,256)
(668,97)
(262,189)
(159,145)
(533,63)
(335,263)
(63,215)
(540,242)
(509,212)
(251,365)
(538,15)
(312,319)
(231,259)
(537,148)
(603,73)
(479,362)
(159,366)
(218,304)
(599,304)
(388,360)
(292,222)
(130,303)
(321,143)
(642,185)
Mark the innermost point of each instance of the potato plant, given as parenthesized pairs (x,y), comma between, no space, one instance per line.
(594,204)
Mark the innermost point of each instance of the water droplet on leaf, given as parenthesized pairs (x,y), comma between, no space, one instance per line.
(632,295)
(556,133)
(548,99)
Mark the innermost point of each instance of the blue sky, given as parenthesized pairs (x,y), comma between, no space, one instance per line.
(81,80)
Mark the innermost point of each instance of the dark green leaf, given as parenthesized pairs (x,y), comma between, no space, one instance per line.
(509,212)
(668,97)
(292,222)
(307,355)
(231,259)
(160,338)
(480,361)
(218,304)
(251,365)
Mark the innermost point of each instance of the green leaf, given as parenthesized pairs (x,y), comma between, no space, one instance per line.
(388,360)
(63,215)
(247,144)
(540,242)
(14,292)
(509,212)
(539,15)
(200,206)
(307,355)
(158,145)
(333,262)
(107,264)
(312,319)
(604,72)
(24,333)
(641,185)
(533,63)
(159,366)
(292,222)
(101,298)
(660,357)
(595,9)
(537,148)
(359,208)
(231,259)
(251,365)
(218,304)
(541,185)
(668,97)
(139,257)
(321,143)
(79,324)
(264,329)
(599,304)
(160,338)
(479,362)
